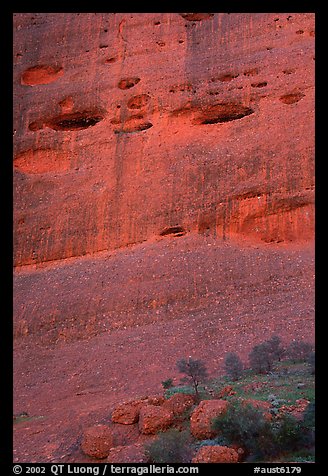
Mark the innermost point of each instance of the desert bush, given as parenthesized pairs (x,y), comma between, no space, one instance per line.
(246,426)
(261,359)
(299,351)
(287,434)
(233,366)
(167,383)
(263,356)
(195,371)
(172,446)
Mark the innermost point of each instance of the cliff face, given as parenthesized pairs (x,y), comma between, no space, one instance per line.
(129,127)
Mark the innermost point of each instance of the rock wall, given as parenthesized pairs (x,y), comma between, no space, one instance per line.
(128,127)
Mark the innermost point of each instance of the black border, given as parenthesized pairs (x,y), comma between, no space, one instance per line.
(6,267)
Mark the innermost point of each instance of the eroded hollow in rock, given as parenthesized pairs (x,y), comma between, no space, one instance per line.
(259,85)
(128,83)
(43,74)
(133,125)
(196,16)
(75,121)
(291,98)
(137,102)
(226,77)
(41,161)
(176,230)
(222,113)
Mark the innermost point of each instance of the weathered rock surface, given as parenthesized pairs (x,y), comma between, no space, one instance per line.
(179,403)
(202,417)
(153,418)
(199,123)
(127,413)
(97,441)
(216,454)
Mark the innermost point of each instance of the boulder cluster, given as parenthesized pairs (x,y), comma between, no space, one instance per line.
(136,422)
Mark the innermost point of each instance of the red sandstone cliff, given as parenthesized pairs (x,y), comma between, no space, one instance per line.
(128,125)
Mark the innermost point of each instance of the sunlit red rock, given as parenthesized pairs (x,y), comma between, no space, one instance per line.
(97,441)
(202,417)
(153,419)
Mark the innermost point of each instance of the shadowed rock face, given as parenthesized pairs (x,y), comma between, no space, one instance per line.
(203,121)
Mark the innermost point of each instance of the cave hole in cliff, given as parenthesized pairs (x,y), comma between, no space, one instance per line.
(291,98)
(128,83)
(259,85)
(41,74)
(35,126)
(223,113)
(176,230)
(132,126)
(196,16)
(137,102)
(75,121)
(226,77)
(113,59)
(251,72)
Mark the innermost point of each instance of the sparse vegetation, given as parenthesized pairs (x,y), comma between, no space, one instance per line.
(277,376)
(281,429)
(195,371)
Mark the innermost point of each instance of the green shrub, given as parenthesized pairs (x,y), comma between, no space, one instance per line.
(167,383)
(287,434)
(172,446)
(233,366)
(247,427)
